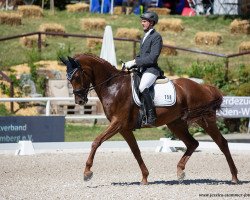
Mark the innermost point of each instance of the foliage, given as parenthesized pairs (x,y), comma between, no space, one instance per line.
(243,90)
(243,73)
(4,111)
(41,85)
(211,72)
(64,50)
(5,87)
(33,56)
(193,129)
(239,81)
(169,66)
(40,81)
(222,126)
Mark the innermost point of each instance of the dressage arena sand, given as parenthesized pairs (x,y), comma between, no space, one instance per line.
(117,176)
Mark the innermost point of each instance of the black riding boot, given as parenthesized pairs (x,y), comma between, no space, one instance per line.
(150,109)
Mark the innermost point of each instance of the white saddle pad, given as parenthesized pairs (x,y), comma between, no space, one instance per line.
(165,94)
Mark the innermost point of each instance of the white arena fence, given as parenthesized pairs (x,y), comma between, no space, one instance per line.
(48,101)
(232,106)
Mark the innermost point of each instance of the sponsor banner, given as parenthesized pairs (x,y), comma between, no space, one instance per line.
(235,107)
(33,128)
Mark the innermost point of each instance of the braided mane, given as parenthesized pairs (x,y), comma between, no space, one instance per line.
(95,57)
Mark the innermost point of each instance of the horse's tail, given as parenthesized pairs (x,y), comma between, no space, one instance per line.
(217,98)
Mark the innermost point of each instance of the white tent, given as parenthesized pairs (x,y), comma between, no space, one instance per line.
(108,47)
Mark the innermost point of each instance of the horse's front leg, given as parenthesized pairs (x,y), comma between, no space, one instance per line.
(108,133)
(130,139)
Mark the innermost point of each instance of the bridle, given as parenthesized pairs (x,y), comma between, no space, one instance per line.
(83,92)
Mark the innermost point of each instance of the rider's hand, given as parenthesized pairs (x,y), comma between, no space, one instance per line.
(130,64)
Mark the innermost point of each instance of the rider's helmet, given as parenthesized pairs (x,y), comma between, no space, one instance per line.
(151,16)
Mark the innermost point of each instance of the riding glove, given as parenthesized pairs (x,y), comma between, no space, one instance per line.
(130,64)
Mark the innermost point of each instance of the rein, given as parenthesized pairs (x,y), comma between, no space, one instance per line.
(93,87)
(87,90)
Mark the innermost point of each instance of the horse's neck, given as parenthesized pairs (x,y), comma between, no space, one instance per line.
(102,76)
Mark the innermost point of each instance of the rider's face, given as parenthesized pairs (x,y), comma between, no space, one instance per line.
(146,25)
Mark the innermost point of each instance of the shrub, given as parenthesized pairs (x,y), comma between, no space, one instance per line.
(4,111)
(64,50)
(239,81)
(243,90)
(212,73)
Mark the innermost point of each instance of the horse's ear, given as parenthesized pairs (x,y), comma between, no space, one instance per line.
(64,61)
(73,62)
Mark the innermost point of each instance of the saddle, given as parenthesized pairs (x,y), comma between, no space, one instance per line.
(162,91)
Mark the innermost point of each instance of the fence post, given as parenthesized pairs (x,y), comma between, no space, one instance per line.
(12,95)
(39,42)
(226,69)
(47,113)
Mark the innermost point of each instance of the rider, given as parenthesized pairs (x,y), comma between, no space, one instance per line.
(146,61)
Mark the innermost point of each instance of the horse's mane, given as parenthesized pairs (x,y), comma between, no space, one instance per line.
(98,59)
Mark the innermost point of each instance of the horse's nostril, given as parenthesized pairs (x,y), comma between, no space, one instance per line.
(80,102)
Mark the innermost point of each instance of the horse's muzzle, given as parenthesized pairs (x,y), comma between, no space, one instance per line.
(81,96)
(81,100)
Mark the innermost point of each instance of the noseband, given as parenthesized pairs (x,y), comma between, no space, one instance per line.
(82,92)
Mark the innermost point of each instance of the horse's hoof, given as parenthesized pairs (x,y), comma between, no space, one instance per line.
(88,175)
(235,181)
(144,183)
(181,176)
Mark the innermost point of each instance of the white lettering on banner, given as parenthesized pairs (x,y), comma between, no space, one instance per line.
(13,128)
(13,139)
(236,101)
(235,107)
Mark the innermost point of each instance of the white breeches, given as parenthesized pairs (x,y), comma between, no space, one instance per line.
(147,80)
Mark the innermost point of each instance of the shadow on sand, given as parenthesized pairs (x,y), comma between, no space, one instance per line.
(184,182)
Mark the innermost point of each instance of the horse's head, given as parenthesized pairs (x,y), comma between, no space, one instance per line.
(78,80)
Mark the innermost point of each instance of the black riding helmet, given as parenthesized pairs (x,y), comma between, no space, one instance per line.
(151,16)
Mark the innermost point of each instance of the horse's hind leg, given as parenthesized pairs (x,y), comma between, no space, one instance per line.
(130,139)
(209,125)
(180,129)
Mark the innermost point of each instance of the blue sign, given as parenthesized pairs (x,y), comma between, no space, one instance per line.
(33,128)
(235,107)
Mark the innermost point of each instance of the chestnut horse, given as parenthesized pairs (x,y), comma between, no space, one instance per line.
(194,103)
